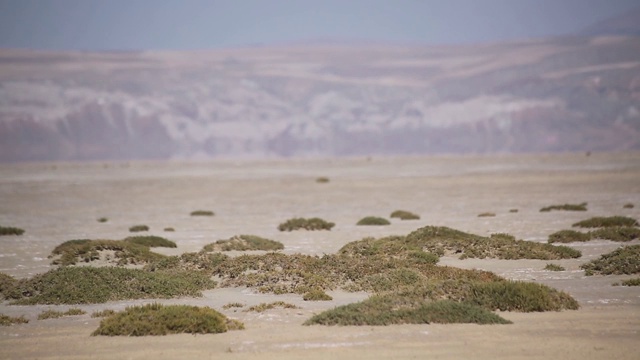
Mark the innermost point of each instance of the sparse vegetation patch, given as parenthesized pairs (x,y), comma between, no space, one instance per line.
(631,282)
(54,314)
(322,180)
(268,306)
(9,230)
(103,219)
(7,282)
(566,207)
(103,313)
(316,295)
(6,320)
(624,260)
(373,220)
(202,213)
(151,241)
(306,224)
(139,228)
(244,243)
(554,267)
(404,215)
(628,206)
(487,214)
(128,252)
(598,221)
(169,229)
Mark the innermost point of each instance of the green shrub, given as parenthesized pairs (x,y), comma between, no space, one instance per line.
(616,233)
(520,296)
(139,228)
(8,230)
(233,305)
(513,210)
(103,313)
(53,314)
(202,213)
(7,282)
(624,260)
(103,219)
(316,295)
(554,267)
(124,252)
(157,319)
(568,236)
(268,306)
(599,221)
(151,241)
(487,214)
(373,220)
(169,229)
(404,215)
(10,320)
(628,206)
(306,224)
(90,285)
(244,243)
(631,282)
(566,207)
(322,180)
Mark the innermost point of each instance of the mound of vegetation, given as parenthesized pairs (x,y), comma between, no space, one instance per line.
(268,306)
(6,320)
(404,215)
(628,206)
(607,221)
(202,213)
(322,180)
(568,236)
(151,241)
(169,229)
(9,230)
(6,282)
(446,241)
(90,285)
(519,296)
(103,313)
(53,314)
(139,228)
(103,219)
(624,260)
(157,319)
(316,295)
(554,267)
(566,207)
(306,224)
(613,233)
(513,210)
(244,243)
(128,252)
(487,214)
(631,282)
(373,220)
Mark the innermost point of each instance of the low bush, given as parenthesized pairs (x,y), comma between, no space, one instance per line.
(7,282)
(157,319)
(568,236)
(233,305)
(53,314)
(202,213)
(268,306)
(244,243)
(139,228)
(169,229)
(9,230)
(616,233)
(404,215)
(373,220)
(513,210)
(554,267)
(487,214)
(6,320)
(624,260)
(103,313)
(316,295)
(322,180)
(566,207)
(306,224)
(103,219)
(599,221)
(628,206)
(119,252)
(90,285)
(520,296)
(151,241)
(631,282)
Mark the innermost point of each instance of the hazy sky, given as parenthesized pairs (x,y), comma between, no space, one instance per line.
(203,24)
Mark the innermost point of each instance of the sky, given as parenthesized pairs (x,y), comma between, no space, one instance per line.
(211,24)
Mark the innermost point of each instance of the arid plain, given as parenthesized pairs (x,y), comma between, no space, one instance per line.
(59,202)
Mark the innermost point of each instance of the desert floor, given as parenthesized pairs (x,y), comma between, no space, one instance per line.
(59,202)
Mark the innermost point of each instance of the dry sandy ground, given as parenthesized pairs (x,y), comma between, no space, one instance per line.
(55,203)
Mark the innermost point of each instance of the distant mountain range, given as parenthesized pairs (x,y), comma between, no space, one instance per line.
(577,93)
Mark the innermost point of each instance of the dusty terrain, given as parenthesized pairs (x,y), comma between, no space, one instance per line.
(58,202)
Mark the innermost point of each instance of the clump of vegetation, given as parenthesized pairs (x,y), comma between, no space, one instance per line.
(404,215)
(91,285)
(631,282)
(568,236)
(628,206)
(373,220)
(151,241)
(613,233)
(316,295)
(624,260)
(306,224)
(158,319)
(520,296)
(7,282)
(233,305)
(54,314)
(119,252)
(202,213)
(244,243)
(322,180)
(598,221)
(103,313)
(169,229)
(103,219)
(6,320)
(513,210)
(139,228)
(268,306)
(9,230)
(554,267)
(566,207)
(487,214)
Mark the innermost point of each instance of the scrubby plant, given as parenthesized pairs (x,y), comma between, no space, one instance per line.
(373,220)
(9,230)
(103,313)
(268,306)
(487,214)
(568,236)
(244,243)
(513,210)
(54,314)
(151,241)
(169,229)
(233,305)
(554,267)
(599,221)
(158,319)
(624,260)
(6,320)
(316,295)
(404,215)
(520,296)
(631,282)
(202,213)
(139,228)
(616,233)
(123,252)
(306,224)
(628,206)
(322,180)
(103,219)
(90,285)
(7,282)
(566,207)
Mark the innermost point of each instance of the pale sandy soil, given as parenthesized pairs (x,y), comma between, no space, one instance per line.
(62,202)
